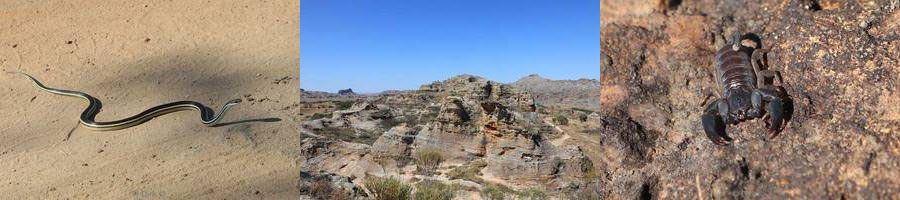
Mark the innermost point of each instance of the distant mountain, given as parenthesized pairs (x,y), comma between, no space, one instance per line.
(582,93)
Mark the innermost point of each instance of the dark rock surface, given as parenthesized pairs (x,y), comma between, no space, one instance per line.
(839,62)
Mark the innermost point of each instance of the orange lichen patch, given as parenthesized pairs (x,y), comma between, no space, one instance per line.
(643,13)
(686,32)
(830,4)
(490,128)
(612,95)
(614,9)
(890,106)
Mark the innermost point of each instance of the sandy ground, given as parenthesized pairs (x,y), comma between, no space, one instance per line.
(133,55)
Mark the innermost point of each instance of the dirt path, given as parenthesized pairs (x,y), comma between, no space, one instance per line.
(134,55)
(561,140)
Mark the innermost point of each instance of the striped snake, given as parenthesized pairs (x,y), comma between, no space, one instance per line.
(94,106)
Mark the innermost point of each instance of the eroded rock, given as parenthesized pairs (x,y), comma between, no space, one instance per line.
(328,186)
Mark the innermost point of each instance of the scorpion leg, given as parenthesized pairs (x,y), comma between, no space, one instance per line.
(714,120)
(774,107)
(767,92)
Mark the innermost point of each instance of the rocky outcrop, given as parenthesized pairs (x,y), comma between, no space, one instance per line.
(478,89)
(362,122)
(335,156)
(485,120)
(396,143)
(454,131)
(328,186)
(346,92)
(435,86)
(552,168)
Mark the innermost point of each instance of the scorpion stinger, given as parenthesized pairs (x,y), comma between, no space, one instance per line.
(745,94)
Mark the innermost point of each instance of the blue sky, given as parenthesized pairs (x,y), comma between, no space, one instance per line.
(376,45)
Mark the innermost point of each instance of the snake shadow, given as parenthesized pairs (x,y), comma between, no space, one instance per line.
(267,120)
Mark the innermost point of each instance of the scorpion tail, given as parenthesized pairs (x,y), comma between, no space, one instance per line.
(736,40)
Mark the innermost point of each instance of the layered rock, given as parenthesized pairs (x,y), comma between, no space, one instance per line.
(395,143)
(482,119)
(363,122)
(546,167)
(335,156)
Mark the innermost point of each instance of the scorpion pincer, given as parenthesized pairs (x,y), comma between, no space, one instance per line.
(744,92)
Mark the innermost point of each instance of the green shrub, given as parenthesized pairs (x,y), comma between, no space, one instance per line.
(387,188)
(582,117)
(320,116)
(470,171)
(427,161)
(349,135)
(389,123)
(559,119)
(533,194)
(499,192)
(493,192)
(343,105)
(434,190)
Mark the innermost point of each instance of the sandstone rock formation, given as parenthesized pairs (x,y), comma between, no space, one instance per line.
(466,119)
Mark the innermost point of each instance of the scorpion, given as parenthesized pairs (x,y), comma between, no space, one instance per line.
(744,92)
